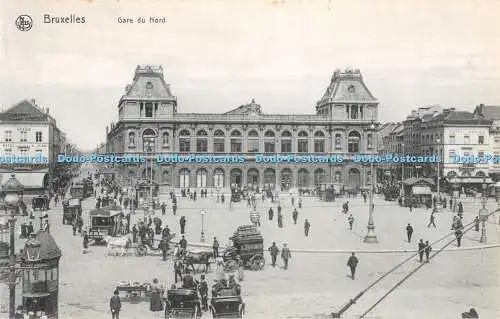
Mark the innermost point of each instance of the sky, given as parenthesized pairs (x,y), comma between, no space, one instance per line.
(218,55)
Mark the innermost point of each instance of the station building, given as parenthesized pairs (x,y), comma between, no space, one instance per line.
(150,122)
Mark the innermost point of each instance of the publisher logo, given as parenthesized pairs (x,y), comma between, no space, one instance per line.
(24,22)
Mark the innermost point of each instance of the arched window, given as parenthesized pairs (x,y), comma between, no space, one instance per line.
(201,141)
(370,141)
(303,143)
(319,177)
(201,178)
(184,141)
(338,141)
(235,177)
(148,140)
(286,179)
(480,174)
(337,177)
(270,178)
(131,140)
(286,142)
(269,142)
(319,142)
(218,178)
(253,142)
(303,178)
(253,177)
(184,178)
(353,141)
(219,142)
(235,141)
(166,139)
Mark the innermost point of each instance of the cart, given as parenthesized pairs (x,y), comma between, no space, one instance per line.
(103,222)
(72,208)
(248,243)
(227,307)
(41,202)
(182,303)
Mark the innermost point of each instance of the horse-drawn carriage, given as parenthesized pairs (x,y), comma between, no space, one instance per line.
(72,209)
(226,305)
(194,257)
(77,190)
(104,222)
(248,243)
(40,202)
(182,303)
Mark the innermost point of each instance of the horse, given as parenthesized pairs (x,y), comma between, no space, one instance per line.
(113,243)
(191,258)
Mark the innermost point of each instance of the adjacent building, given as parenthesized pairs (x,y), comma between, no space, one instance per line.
(492,113)
(150,122)
(27,130)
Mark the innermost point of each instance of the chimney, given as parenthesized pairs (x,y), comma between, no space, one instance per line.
(107,130)
(33,101)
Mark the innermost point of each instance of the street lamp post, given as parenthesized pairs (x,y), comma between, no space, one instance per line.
(438,201)
(483,217)
(11,189)
(202,213)
(370,235)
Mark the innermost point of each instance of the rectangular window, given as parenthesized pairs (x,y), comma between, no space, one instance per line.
(8,136)
(219,145)
(286,146)
(235,146)
(481,139)
(269,147)
(202,145)
(38,137)
(452,154)
(302,146)
(149,109)
(23,138)
(184,145)
(466,139)
(253,146)
(452,139)
(319,146)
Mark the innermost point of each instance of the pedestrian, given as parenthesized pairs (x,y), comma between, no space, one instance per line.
(273,250)
(458,235)
(215,247)
(270,213)
(183,243)
(285,255)
(134,234)
(293,201)
(155,303)
(421,250)
(163,208)
(280,220)
(432,220)
(460,210)
(428,250)
(409,232)
(300,202)
(307,225)
(295,215)
(85,242)
(476,223)
(352,262)
(350,219)
(74,227)
(164,247)
(241,268)
(115,305)
(182,223)
(165,232)
(203,289)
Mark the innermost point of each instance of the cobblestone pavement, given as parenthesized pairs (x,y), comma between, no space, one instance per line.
(316,283)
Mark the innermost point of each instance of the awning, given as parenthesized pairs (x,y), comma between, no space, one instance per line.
(30,180)
(470,180)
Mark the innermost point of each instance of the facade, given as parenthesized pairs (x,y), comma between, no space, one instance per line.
(28,130)
(448,134)
(149,122)
(492,113)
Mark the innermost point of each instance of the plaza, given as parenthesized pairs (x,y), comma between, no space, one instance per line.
(317,280)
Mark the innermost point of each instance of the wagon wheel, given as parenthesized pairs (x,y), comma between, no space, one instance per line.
(141,251)
(257,262)
(230,266)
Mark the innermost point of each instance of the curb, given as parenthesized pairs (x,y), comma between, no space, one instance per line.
(361,251)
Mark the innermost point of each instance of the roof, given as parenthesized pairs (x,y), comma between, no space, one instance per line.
(149,82)
(490,112)
(48,247)
(414,180)
(26,110)
(347,86)
(103,212)
(450,116)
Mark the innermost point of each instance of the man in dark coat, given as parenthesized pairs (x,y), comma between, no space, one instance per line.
(432,220)
(270,213)
(280,220)
(188,281)
(295,215)
(274,251)
(215,247)
(458,235)
(115,305)
(421,250)
(134,234)
(163,208)
(427,250)
(164,247)
(182,223)
(352,262)
(166,232)
(183,243)
(307,225)
(409,232)
(178,267)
